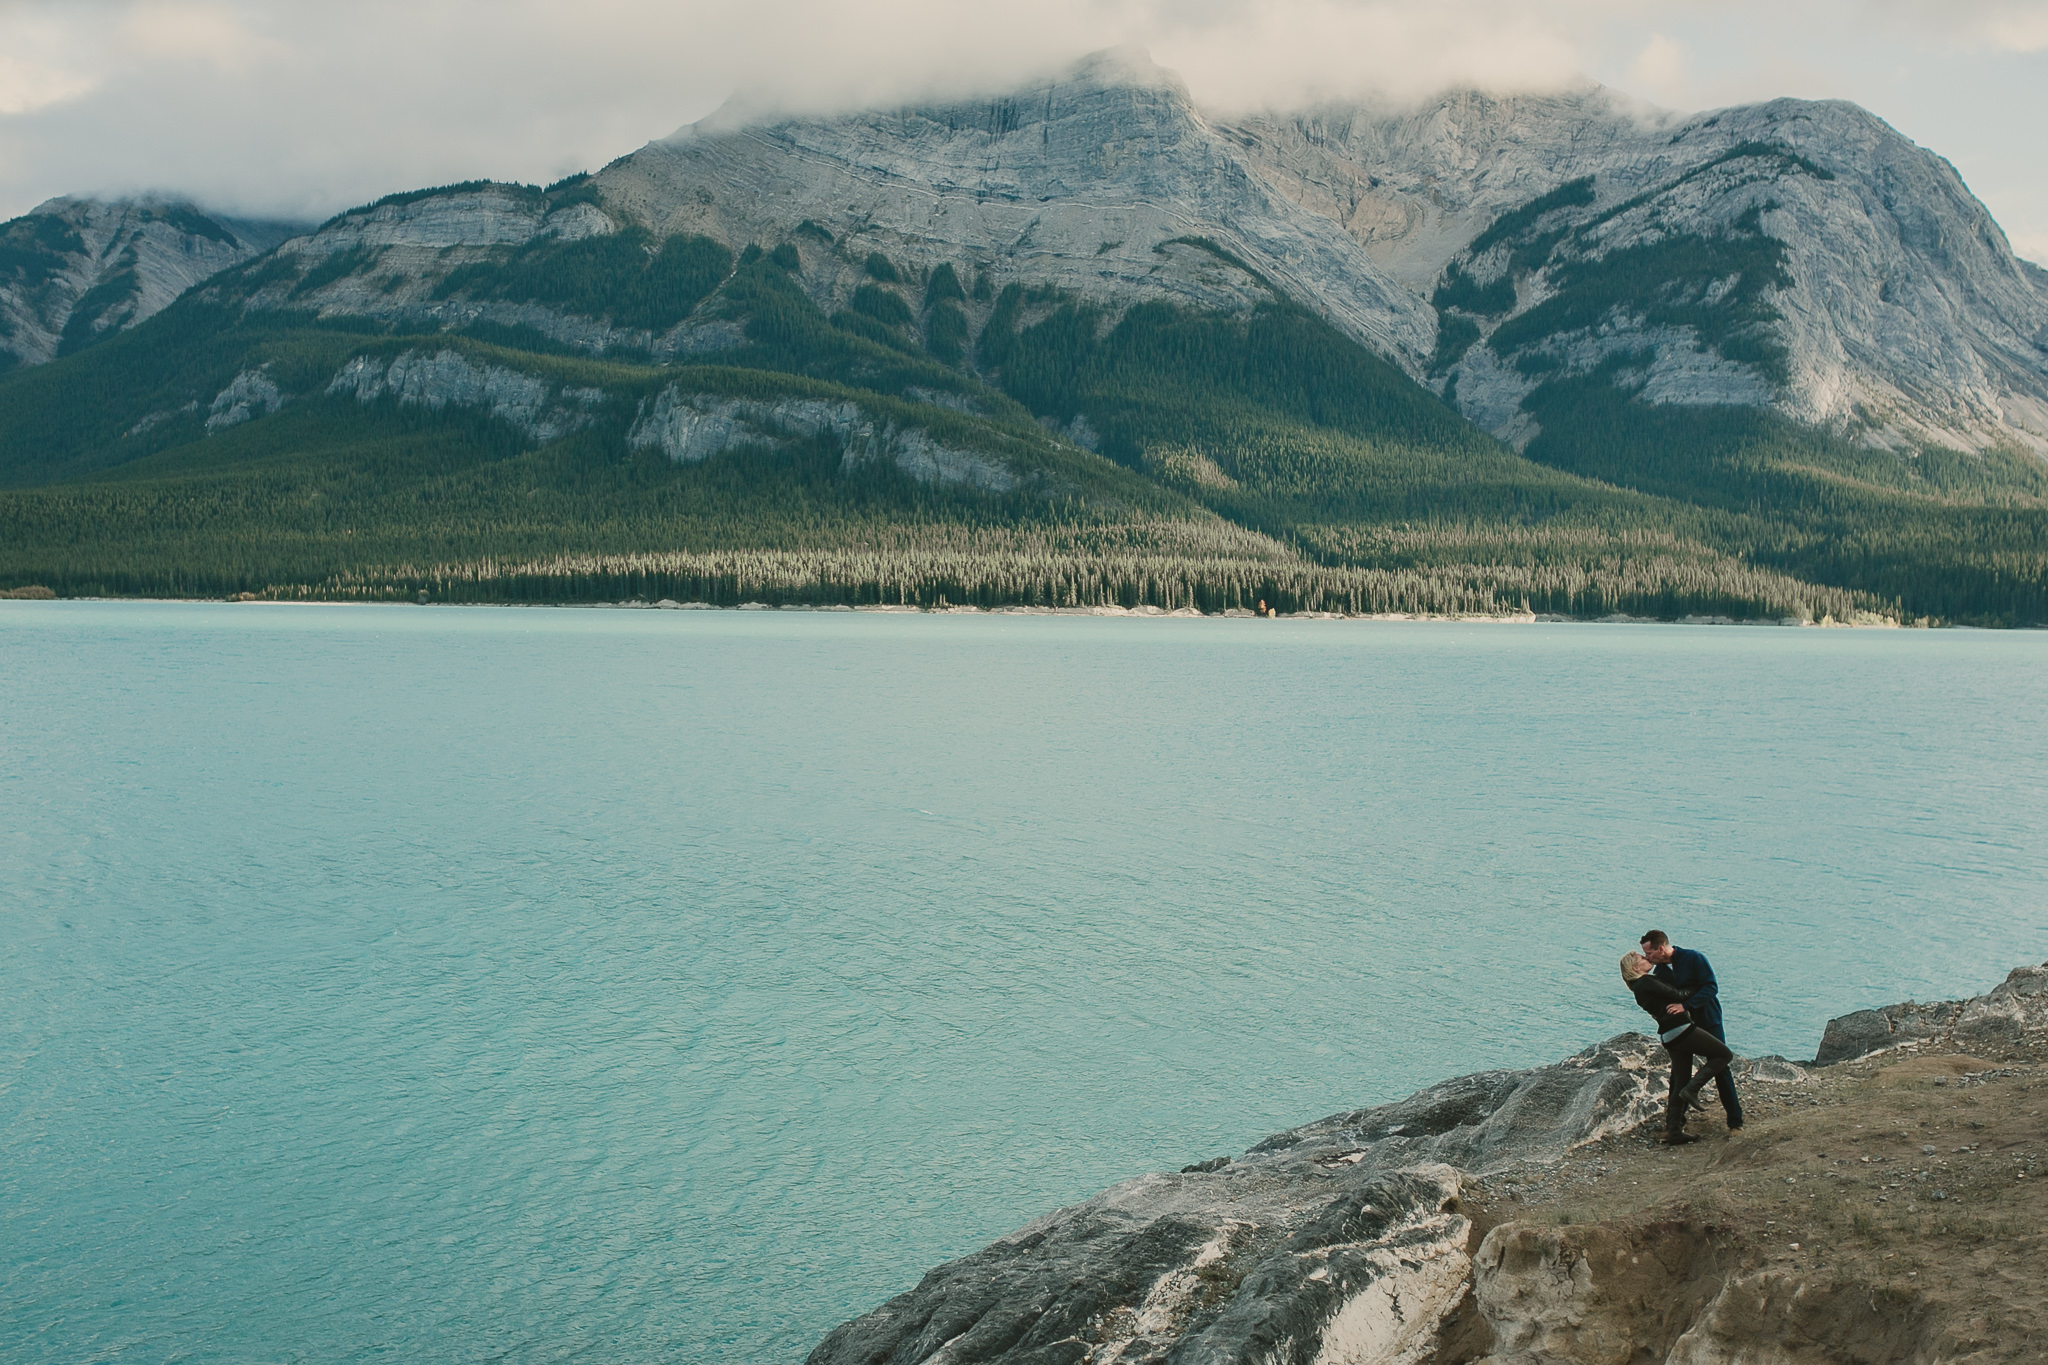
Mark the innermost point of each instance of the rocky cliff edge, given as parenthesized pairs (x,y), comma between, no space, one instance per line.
(1528,1217)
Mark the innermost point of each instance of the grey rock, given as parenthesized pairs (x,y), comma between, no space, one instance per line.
(1073,182)
(162,415)
(1342,1234)
(496,215)
(576,222)
(247,394)
(693,427)
(1489,1121)
(449,378)
(1771,1070)
(1908,318)
(1414,184)
(398,254)
(1868,1031)
(2017,1004)
(1224,1267)
(1342,1240)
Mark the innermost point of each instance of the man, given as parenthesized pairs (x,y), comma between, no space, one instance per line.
(1690,971)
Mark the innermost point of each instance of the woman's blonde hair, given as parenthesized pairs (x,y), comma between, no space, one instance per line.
(1634,965)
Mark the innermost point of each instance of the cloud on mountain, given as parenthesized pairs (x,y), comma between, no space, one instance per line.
(291,106)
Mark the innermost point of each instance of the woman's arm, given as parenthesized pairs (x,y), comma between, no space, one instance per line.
(1653,990)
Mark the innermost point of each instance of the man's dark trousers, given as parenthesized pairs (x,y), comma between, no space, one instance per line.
(1690,971)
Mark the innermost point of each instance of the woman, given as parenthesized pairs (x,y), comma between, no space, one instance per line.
(1684,1040)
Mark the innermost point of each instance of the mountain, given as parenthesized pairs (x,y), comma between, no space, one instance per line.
(1084,343)
(73,270)
(1488,245)
(1573,235)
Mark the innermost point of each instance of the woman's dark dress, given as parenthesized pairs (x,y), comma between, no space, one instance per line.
(1696,1042)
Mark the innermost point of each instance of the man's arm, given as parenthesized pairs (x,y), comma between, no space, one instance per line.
(1700,980)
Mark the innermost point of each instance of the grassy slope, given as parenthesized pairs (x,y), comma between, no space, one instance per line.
(1817,1198)
(1948,535)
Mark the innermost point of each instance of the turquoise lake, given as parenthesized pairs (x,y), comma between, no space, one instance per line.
(543,985)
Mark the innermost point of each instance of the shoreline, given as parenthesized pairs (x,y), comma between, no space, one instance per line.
(1866,621)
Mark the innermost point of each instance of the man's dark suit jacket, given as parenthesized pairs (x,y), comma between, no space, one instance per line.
(1690,971)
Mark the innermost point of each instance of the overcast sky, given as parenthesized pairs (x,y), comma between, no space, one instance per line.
(300,108)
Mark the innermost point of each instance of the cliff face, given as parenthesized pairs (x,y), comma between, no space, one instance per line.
(76,269)
(1346,1232)
(1527,1218)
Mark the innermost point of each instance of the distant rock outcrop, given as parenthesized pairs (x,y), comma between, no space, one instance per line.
(2015,1005)
(74,270)
(249,394)
(692,427)
(541,410)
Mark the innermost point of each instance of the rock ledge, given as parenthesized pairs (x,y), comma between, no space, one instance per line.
(1353,1240)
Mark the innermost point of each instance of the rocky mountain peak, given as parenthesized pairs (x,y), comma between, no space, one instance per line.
(1860,286)
(1808,258)
(75,269)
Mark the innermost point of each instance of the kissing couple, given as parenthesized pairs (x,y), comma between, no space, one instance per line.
(1676,987)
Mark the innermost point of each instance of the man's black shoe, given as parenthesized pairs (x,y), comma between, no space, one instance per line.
(1678,1139)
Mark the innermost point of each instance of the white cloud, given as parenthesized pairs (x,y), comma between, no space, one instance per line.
(305,106)
(1659,73)
(169,32)
(2004,25)
(1284,53)
(2019,32)
(2032,245)
(298,106)
(39,62)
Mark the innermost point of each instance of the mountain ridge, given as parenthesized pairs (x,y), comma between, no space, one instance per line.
(1358,211)
(1900,311)
(1553,353)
